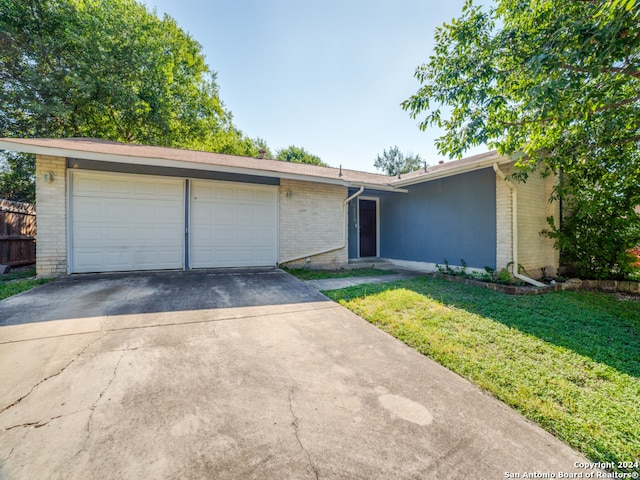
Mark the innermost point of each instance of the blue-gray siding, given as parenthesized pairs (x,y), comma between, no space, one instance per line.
(452,218)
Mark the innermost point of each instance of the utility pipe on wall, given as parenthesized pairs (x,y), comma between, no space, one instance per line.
(514,229)
(344,233)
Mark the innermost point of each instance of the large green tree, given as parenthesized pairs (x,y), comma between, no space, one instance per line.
(557,84)
(394,162)
(107,69)
(298,155)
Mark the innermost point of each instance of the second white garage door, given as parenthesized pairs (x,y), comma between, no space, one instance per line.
(233,225)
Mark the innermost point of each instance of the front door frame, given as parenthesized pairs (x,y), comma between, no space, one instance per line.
(377,200)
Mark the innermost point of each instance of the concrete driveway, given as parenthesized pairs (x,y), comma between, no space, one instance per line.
(236,375)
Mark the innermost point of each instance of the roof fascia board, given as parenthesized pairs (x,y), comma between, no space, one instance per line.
(454,171)
(379,186)
(162,162)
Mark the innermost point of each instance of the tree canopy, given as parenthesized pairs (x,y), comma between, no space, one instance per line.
(108,69)
(394,162)
(556,83)
(298,155)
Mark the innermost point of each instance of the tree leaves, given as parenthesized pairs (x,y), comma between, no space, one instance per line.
(394,162)
(108,69)
(559,80)
(298,155)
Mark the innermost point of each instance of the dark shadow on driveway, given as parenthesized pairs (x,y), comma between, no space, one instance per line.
(80,296)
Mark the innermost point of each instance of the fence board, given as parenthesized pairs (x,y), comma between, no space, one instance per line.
(17,233)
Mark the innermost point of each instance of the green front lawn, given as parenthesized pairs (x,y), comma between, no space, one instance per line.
(12,283)
(308,274)
(569,361)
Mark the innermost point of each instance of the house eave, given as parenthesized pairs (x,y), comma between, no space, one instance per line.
(427,177)
(377,186)
(163,162)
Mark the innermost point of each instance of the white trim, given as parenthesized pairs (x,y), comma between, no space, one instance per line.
(69,220)
(470,167)
(186,229)
(378,186)
(377,200)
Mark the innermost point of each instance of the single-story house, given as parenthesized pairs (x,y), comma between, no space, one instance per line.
(107,206)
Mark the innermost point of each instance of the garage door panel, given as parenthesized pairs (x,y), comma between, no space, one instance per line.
(113,235)
(225,237)
(118,259)
(223,216)
(246,196)
(111,187)
(88,259)
(145,189)
(88,234)
(224,194)
(243,215)
(263,196)
(84,186)
(147,210)
(115,211)
(126,222)
(233,224)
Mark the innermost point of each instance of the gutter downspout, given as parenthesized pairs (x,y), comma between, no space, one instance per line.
(344,233)
(514,229)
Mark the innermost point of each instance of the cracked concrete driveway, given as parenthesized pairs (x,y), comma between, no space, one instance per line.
(236,375)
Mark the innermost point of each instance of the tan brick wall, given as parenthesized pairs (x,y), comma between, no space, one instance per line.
(51,219)
(534,250)
(504,253)
(312,219)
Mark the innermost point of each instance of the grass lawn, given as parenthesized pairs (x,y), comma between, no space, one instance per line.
(308,274)
(12,283)
(569,361)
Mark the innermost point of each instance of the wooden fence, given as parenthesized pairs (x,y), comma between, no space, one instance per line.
(17,233)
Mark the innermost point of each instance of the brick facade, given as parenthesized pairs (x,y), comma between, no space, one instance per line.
(535,251)
(504,225)
(312,219)
(51,219)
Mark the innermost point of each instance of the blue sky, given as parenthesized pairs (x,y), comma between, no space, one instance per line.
(327,76)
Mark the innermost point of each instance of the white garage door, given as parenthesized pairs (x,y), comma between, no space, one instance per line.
(233,224)
(126,222)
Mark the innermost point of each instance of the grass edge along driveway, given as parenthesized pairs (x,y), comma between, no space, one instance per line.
(19,281)
(569,361)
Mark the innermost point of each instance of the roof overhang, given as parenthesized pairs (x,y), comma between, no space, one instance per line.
(470,167)
(158,161)
(378,186)
(163,162)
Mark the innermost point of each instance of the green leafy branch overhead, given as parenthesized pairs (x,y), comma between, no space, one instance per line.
(556,80)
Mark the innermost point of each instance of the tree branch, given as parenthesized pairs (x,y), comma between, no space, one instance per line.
(617,70)
(621,103)
(612,106)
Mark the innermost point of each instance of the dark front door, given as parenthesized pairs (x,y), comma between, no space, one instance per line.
(368,228)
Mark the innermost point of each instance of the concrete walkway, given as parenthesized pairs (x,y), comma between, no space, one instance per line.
(338,283)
